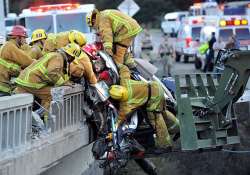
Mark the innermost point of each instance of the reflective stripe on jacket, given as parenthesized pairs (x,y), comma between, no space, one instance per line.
(115,26)
(12,60)
(9,65)
(46,71)
(203,48)
(5,89)
(138,94)
(12,67)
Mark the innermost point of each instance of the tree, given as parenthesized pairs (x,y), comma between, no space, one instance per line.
(151,10)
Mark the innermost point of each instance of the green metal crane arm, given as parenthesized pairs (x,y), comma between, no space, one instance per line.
(233,80)
(204,102)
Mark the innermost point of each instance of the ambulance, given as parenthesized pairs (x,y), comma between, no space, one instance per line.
(237,26)
(57,18)
(188,37)
(224,27)
(171,23)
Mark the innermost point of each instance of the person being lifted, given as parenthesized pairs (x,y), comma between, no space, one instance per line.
(134,94)
(49,71)
(57,41)
(13,58)
(117,31)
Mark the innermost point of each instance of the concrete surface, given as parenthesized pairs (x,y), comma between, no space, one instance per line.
(15,100)
(80,162)
(45,153)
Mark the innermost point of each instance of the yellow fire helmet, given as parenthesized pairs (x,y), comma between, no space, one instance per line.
(38,34)
(90,16)
(118,92)
(72,49)
(77,37)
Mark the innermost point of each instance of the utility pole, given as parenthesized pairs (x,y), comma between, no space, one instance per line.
(2,22)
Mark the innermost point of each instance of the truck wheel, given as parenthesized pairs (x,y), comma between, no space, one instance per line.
(186,58)
(178,57)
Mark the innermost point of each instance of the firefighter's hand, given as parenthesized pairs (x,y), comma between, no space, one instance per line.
(109,51)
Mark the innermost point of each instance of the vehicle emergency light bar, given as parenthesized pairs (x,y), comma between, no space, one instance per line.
(233,22)
(45,8)
(197,21)
(197,5)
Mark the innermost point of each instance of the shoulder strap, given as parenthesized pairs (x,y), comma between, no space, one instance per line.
(65,61)
(149,94)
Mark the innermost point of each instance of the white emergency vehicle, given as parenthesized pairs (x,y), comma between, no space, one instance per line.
(234,25)
(10,21)
(205,8)
(224,28)
(188,37)
(236,8)
(57,18)
(171,23)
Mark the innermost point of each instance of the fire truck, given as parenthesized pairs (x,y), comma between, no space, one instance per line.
(57,18)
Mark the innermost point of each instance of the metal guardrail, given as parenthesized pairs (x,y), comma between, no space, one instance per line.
(15,121)
(66,107)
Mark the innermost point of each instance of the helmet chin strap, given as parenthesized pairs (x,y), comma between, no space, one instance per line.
(64,55)
(40,44)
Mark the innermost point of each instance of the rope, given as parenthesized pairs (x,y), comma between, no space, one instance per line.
(41,106)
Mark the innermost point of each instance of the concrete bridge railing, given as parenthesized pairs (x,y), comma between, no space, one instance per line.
(67,132)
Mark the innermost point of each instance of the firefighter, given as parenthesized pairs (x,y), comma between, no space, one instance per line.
(134,94)
(117,31)
(38,39)
(56,41)
(82,67)
(49,71)
(13,58)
